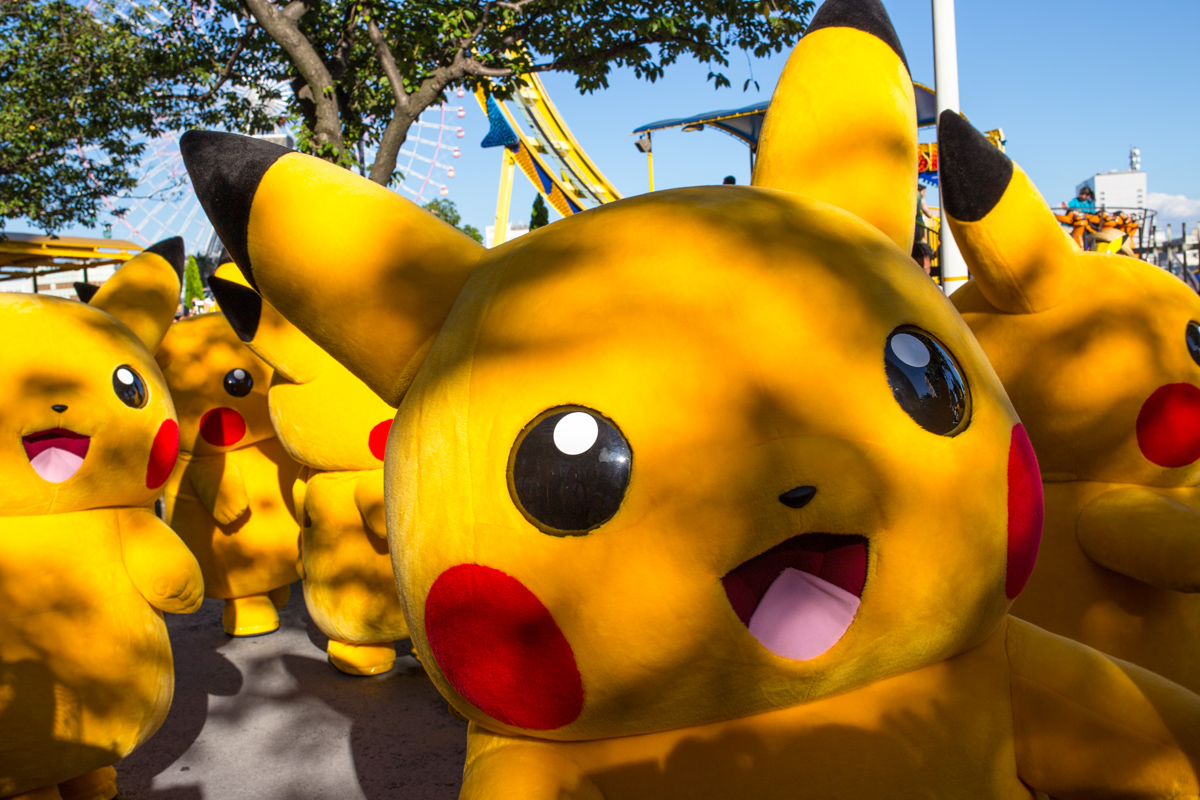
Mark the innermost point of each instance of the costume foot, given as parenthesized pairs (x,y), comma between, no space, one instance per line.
(279,596)
(249,616)
(99,784)
(42,793)
(362,659)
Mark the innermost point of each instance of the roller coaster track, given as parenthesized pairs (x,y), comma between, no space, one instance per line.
(547,152)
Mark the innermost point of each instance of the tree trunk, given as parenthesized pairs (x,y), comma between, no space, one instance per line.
(394,136)
(281,25)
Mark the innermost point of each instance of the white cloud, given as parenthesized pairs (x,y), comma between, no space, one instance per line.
(1173,207)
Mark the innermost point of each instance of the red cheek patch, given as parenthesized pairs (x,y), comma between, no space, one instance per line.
(1025,511)
(500,648)
(1168,426)
(222,427)
(377,441)
(163,453)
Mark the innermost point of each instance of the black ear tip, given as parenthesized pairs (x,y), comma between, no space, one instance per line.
(171,250)
(85,291)
(226,169)
(868,16)
(974,174)
(241,305)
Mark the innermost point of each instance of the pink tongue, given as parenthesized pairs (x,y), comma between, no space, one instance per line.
(55,465)
(802,616)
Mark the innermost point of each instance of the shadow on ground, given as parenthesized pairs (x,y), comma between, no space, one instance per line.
(267,718)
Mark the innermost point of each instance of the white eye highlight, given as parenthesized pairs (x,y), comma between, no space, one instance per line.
(575,433)
(125,376)
(910,350)
(239,374)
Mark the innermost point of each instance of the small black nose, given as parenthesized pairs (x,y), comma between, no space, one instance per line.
(59,408)
(798,497)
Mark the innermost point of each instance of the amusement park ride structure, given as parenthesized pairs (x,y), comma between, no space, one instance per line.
(560,170)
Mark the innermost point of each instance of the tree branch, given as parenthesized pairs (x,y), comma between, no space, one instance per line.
(388,61)
(281,25)
(228,70)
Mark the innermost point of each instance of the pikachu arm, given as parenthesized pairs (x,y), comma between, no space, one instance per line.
(527,771)
(1086,725)
(299,490)
(1144,534)
(159,564)
(368,496)
(220,487)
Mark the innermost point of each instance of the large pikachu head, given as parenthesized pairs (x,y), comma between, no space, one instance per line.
(325,417)
(1100,353)
(684,457)
(85,417)
(218,385)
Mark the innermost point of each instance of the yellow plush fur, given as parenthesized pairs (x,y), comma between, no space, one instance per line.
(230,499)
(324,417)
(1081,341)
(730,344)
(86,570)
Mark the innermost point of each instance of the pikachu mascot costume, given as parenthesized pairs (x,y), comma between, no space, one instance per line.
(1101,357)
(330,422)
(708,493)
(230,497)
(86,569)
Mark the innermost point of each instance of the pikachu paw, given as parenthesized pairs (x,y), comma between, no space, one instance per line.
(177,597)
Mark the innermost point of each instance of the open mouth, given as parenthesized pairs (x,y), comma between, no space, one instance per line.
(56,454)
(800,597)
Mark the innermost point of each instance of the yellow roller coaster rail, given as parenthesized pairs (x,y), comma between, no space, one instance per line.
(547,152)
(28,255)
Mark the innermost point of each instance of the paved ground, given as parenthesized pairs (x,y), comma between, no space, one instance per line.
(267,718)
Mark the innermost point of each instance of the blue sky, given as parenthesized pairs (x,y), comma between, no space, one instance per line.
(1073,85)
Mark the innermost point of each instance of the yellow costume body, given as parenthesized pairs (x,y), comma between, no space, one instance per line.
(86,569)
(1101,357)
(707,492)
(331,423)
(230,496)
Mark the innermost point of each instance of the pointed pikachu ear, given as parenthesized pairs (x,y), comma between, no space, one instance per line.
(369,276)
(85,291)
(842,125)
(264,330)
(144,292)
(1021,259)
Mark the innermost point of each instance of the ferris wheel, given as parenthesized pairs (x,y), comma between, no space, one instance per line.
(163,203)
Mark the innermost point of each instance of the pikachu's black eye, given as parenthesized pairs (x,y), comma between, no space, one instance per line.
(238,382)
(569,470)
(1193,341)
(926,381)
(129,386)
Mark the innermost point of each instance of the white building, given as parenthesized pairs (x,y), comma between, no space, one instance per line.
(514,230)
(1115,189)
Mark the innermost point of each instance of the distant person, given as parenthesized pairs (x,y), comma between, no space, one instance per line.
(924,216)
(730,181)
(1085,201)
(922,253)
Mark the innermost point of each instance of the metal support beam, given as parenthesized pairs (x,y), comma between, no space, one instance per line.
(508,163)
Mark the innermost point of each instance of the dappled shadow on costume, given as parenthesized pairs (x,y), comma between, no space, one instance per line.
(200,671)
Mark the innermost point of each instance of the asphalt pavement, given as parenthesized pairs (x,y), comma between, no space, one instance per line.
(267,718)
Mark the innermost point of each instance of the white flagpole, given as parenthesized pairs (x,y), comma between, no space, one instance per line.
(945,76)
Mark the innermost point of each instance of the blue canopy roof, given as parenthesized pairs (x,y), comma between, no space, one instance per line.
(746,123)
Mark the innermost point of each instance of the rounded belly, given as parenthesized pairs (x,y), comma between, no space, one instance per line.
(349,586)
(85,663)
